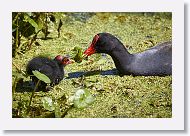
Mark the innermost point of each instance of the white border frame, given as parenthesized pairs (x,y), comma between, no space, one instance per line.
(174,123)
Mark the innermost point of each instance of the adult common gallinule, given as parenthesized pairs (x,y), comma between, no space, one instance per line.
(54,69)
(156,61)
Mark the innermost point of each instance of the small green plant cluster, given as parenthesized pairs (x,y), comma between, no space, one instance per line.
(81,99)
(88,90)
(27,26)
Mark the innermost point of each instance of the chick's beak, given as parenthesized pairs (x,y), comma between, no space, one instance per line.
(67,61)
(70,61)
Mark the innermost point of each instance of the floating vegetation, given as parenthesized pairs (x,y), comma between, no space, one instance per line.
(82,98)
(93,85)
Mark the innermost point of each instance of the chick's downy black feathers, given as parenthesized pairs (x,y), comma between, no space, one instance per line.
(54,69)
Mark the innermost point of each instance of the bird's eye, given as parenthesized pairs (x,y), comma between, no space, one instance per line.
(66,60)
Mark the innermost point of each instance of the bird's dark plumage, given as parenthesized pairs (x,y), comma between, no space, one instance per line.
(54,69)
(156,61)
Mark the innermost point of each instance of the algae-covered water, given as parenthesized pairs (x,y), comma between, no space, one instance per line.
(115,96)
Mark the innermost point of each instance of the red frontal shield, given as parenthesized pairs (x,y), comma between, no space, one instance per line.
(91,50)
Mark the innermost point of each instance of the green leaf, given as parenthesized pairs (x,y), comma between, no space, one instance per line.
(78,55)
(48,104)
(28,13)
(90,99)
(13,29)
(41,77)
(31,21)
(83,98)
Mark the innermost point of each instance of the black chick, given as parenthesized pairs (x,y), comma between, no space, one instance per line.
(54,69)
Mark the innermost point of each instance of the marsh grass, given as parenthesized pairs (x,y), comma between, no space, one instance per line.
(116,97)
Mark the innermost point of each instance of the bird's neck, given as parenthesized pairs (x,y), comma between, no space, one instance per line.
(122,58)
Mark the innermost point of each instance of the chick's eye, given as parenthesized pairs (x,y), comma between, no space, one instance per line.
(66,60)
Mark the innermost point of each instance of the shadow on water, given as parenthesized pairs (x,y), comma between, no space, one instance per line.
(91,73)
(28,86)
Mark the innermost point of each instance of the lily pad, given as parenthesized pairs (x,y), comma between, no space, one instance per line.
(48,104)
(82,98)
